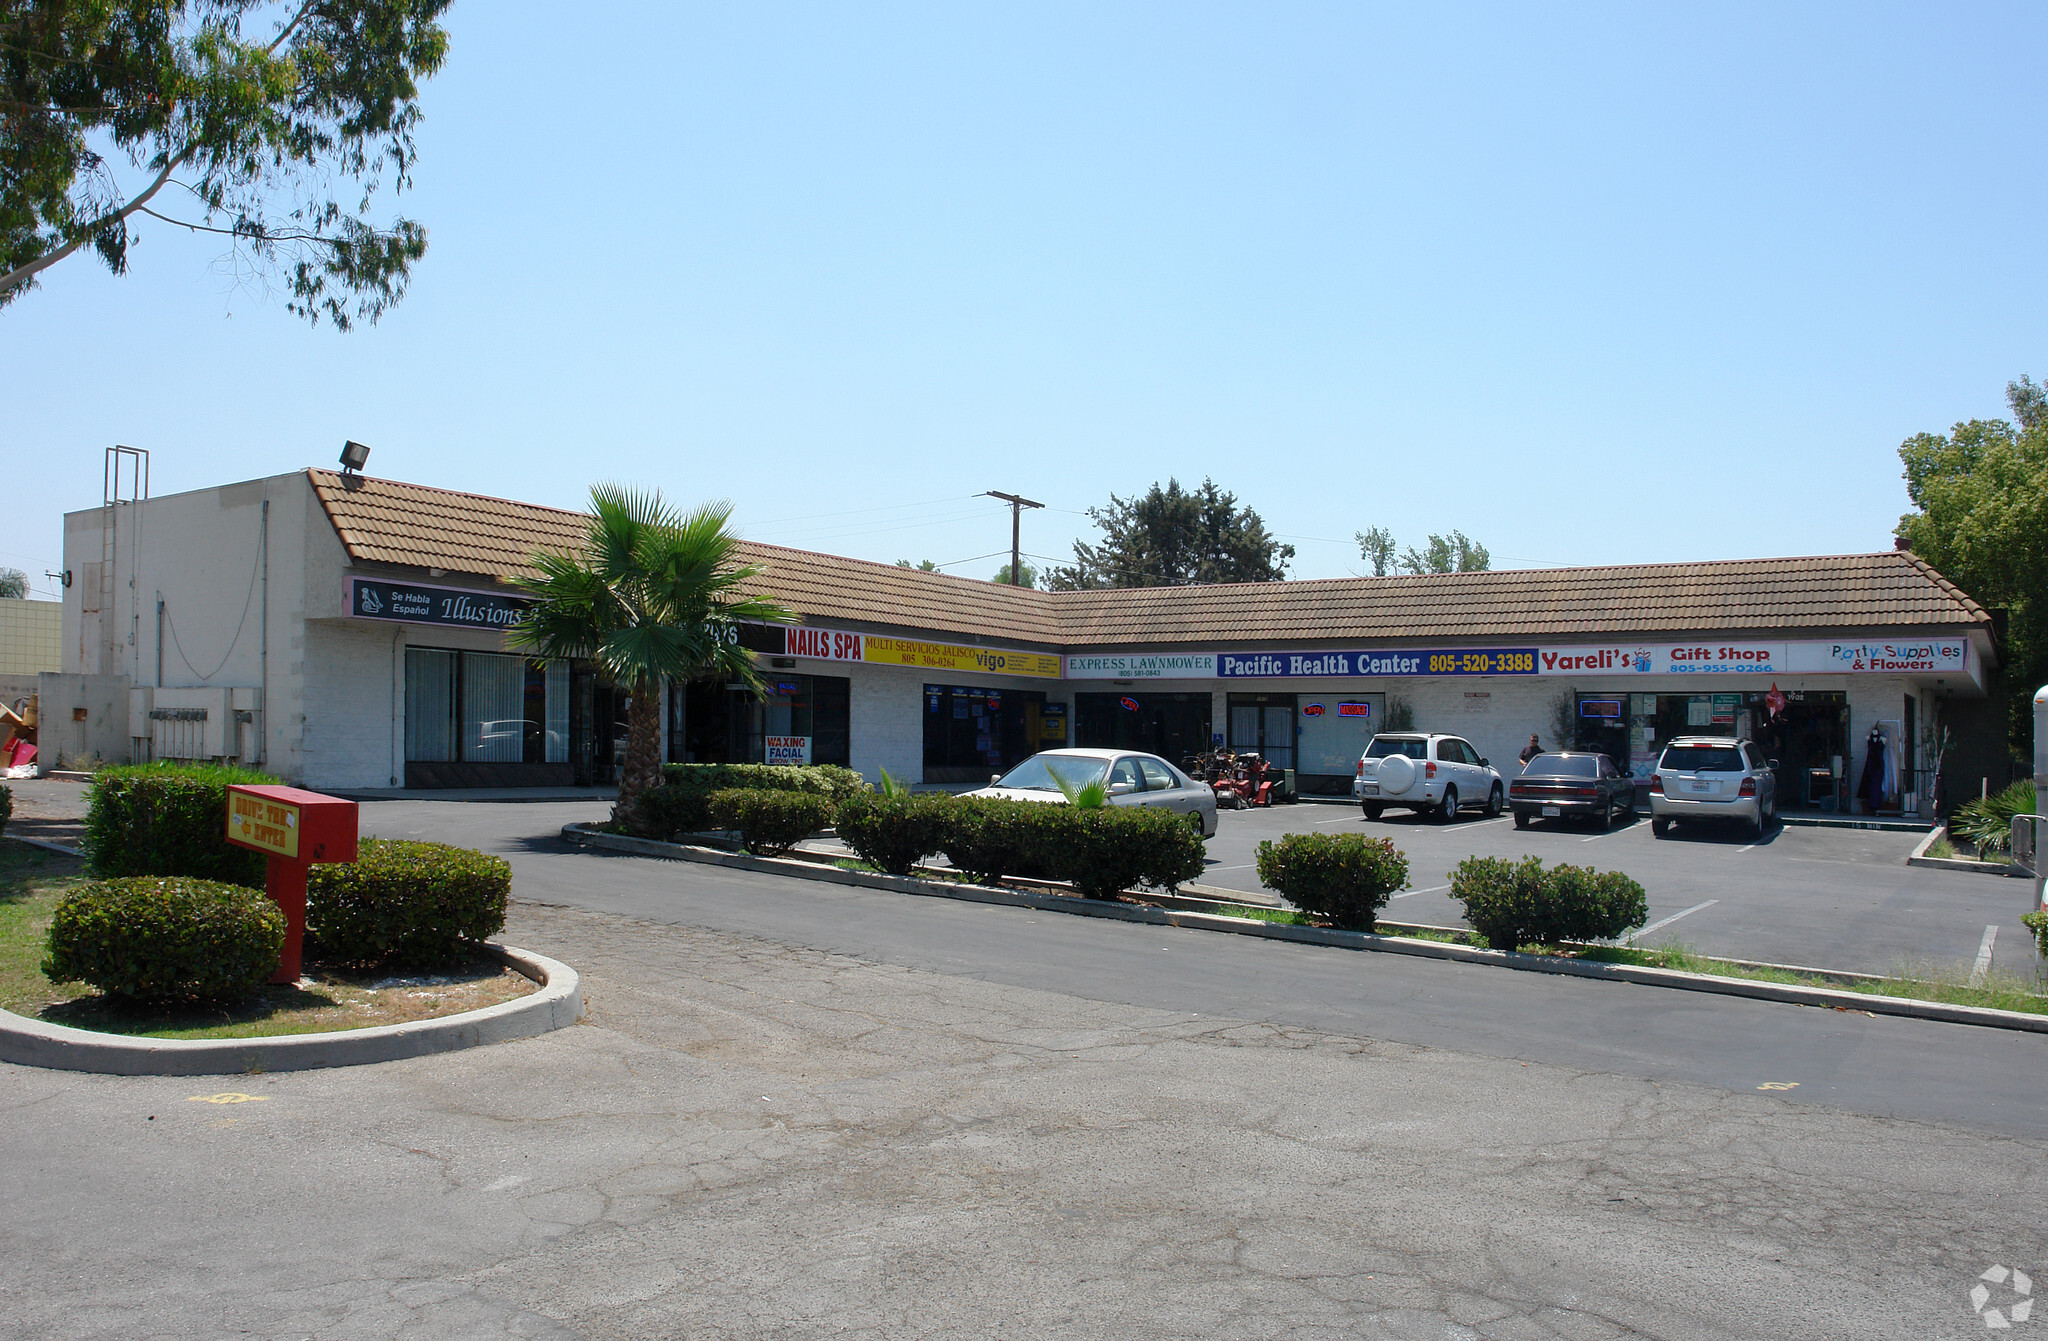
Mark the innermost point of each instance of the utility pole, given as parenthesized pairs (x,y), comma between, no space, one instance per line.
(1017,506)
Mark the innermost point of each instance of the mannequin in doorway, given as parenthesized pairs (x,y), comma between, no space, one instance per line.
(1870,790)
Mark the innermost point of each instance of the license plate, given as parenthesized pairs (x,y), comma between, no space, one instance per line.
(1368,789)
(1702,785)
(1553,810)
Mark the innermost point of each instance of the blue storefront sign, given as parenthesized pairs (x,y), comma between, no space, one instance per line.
(1369,664)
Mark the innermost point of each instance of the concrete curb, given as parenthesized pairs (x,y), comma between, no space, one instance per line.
(1853,822)
(1919,857)
(1829,997)
(47,846)
(559,1002)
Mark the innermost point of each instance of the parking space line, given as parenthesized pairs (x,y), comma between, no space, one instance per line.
(1410,893)
(1346,820)
(1982,968)
(1609,833)
(1665,922)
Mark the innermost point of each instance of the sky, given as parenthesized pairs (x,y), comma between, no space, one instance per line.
(1591,284)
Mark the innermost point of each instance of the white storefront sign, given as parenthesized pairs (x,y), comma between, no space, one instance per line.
(1711,656)
(1144,666)
(789,749)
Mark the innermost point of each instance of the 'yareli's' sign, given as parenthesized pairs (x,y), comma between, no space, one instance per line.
(416,603)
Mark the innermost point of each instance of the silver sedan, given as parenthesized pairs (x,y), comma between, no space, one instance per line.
(1130,779)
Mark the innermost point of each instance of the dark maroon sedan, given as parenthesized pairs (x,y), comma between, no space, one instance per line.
(1571,784)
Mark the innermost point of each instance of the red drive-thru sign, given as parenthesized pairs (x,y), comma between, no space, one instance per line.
(294,829)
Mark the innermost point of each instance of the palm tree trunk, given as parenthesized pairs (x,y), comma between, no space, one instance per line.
(642,771)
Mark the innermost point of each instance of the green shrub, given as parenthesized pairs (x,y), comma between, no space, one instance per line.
(1513,903)
(2037,922)
(989,837)
(770,822)
(895,833)
(681,804)
(1987,821)
(156,938)
(1347,878)
(414,905)
(1103,852)
(168,819)
(6,807)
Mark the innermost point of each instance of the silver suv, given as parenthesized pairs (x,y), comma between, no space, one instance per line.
(1713,778)
(1423,771)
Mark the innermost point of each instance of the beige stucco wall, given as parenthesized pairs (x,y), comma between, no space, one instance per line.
(31,637)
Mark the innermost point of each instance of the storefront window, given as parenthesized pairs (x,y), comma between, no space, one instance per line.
(1264,724)
(971,732)
(1174,726)
(809,716)
(484,708)
(429,706)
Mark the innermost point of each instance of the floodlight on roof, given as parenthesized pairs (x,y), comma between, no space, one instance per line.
(353,456)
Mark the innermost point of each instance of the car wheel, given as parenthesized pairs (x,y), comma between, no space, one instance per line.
(1607,815)
(1521,819)
(1659,827)
(1372,812)
(1493,802)
(1448,810)
(1761,826)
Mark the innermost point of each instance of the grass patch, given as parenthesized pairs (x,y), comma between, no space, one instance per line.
(1286,917)
(34,881)
(1941,848)
(2001,990)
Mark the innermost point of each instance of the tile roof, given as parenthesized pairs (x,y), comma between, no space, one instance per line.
(383,521)
(1861,591)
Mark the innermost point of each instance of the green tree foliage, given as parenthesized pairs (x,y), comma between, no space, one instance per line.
(652,594)
(275,140)
(1027,576)
(1980,495)
(921,566)
(1453,553)
(13,584)
(1376,546)
(1174,537)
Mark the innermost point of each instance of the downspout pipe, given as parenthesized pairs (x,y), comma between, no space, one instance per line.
(263,692)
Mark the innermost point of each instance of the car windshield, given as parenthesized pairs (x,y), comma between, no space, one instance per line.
(1702,759)
(1038,773)
(1385,746)
(1562,766)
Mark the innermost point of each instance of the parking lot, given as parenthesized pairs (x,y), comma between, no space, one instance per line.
(1830,898)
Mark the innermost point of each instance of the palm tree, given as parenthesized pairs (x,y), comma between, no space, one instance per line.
(653,593)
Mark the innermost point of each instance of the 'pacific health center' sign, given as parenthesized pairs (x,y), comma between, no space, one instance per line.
(1361,665)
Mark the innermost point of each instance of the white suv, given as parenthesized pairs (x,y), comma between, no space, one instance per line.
(1426,772)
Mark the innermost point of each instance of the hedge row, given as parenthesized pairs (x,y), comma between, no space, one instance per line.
(1513,903)
(1099,851)
(168,819)
(769,822)
(682,803)
(6,807)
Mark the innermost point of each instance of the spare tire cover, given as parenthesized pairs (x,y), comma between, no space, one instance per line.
(1397,773)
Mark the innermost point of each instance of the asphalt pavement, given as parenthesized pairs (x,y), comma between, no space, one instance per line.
(1826,897)
(804,1110)
(1886,1066)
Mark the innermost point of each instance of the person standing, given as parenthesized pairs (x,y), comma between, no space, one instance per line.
(1531,750)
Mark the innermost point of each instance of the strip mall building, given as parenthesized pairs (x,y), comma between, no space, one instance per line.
(348,633)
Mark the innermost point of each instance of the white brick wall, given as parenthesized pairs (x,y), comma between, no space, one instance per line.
(355,692)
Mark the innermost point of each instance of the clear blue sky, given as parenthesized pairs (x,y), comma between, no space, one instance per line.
(1594,285)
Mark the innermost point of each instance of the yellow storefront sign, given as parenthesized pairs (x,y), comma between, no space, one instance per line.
(270,825)
(947,657)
